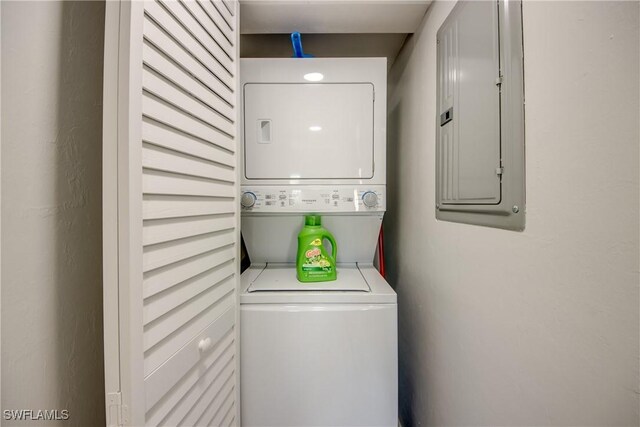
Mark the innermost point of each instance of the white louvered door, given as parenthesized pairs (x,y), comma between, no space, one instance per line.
(171,220)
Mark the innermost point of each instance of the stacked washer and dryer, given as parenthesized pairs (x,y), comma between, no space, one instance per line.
(315,354)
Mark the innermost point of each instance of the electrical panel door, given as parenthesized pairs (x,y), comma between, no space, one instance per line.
(480,173)
(469,106)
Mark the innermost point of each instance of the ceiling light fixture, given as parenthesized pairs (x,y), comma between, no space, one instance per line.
(313,77)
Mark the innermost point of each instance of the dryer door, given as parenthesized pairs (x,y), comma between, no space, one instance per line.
(308,131)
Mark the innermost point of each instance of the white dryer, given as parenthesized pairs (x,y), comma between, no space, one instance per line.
(315,354)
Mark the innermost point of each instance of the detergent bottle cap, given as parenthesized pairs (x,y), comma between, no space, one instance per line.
(312,220)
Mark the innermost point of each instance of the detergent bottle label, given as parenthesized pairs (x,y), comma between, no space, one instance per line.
(316,261)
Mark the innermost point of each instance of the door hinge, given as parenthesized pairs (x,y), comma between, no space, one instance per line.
(117,413)
(499,171)
(499,81)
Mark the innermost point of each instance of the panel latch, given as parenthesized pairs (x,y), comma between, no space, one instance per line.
(446,117)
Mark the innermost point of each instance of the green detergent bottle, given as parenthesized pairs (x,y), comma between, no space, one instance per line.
(314,264)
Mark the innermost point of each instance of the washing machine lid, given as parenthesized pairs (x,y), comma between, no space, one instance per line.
(282,277)
(277,283)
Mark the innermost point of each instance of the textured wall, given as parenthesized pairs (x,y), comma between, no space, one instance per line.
(539,327)
(51,209)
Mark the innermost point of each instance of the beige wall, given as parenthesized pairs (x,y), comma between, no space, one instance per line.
(51,209)
(539,327)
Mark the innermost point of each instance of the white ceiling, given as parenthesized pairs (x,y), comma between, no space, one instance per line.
(331,16)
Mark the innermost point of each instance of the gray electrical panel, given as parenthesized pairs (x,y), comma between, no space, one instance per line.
(480,115)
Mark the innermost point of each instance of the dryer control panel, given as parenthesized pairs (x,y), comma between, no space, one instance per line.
(317,199)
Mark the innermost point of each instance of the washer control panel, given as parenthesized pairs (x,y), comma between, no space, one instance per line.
(338,198)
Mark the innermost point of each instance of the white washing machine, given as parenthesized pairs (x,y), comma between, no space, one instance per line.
(315,354)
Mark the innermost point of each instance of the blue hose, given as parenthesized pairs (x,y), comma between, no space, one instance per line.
(296,41)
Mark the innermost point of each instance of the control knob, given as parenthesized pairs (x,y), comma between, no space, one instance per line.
(248,199)
(370,199)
